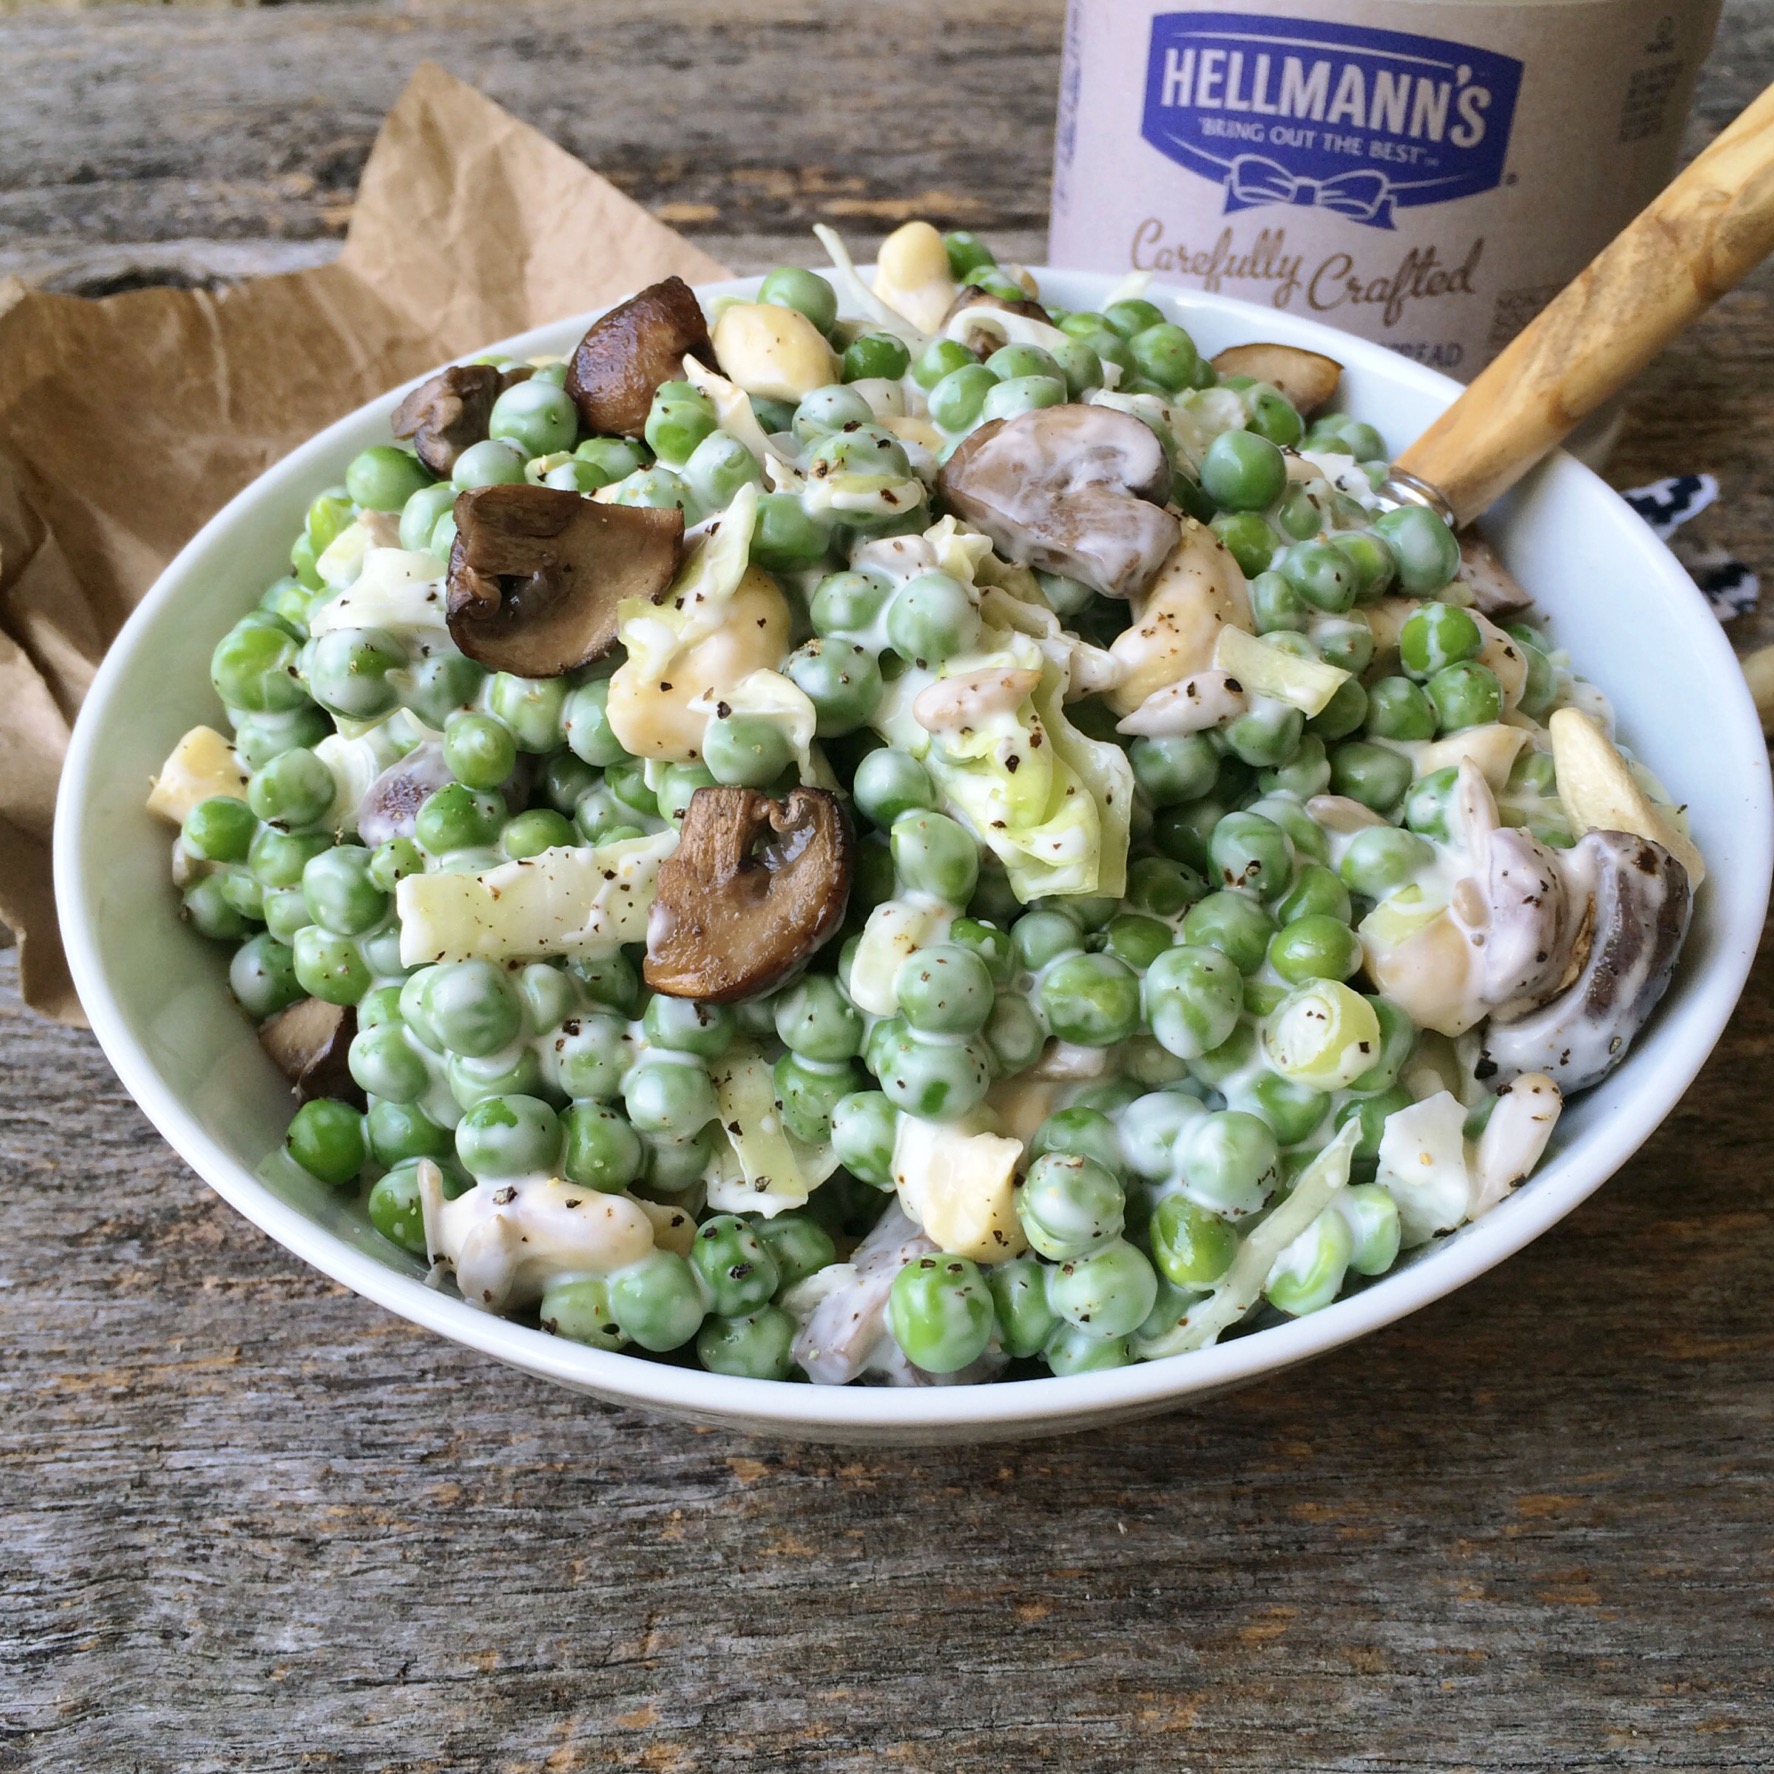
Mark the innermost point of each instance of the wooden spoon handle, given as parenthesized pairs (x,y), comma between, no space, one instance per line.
(1707,230)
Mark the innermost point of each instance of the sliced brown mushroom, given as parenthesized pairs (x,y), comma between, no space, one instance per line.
(753,888)
(1077,490)
(450,412)
(1495,590)
(979,340)
(309,1042)
(620,363)
(536,574)
(1629,903)
(1307,378)
(392,802)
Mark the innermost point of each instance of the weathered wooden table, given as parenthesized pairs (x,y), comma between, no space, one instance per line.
(249,1522)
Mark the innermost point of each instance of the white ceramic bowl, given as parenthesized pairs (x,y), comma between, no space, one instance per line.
(156,992)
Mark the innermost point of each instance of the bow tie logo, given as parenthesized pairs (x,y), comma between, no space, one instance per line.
(1364,196)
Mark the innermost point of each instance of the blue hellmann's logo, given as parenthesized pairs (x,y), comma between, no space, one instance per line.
(1326,116)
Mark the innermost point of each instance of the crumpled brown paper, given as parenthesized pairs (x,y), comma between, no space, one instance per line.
(125,422)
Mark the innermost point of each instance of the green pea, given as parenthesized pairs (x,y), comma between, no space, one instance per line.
(1267,734)
(1092,1000)
(798,1244)
(1316,946)
(1176,769)
(1345,642)
(586,725)
(1165,354)
(830,409)
(957,400)
(262,976)
(1192,1247)
(1273,415)
(1235,924)
(685,1025)
(1231,1163)
(329,966)
(326,1138)
(610,458)
(348,672)
(669,1095)
(1275,605)
(1243,472)
(1322,574)
(750,1345)
(1070,1204)
(1071,1350)
(242,893)
(1019,1297)
(1079,366)
(737,1272)
(967,252)
(1080,1133)
(940,358)
(1011,361)
(383,478)
(1427,807)
(1292,1111)
(848,604)
(539,418)
(472,1006)
(718,468)
(1316,892)
(1370,1114)
(340,894)
(863,1129)
(329,515)
(1371,774)
(655,489)
(253,667)
(889,783)
(1137,940)
(1343,714)
(221,829)
(1013,1034)
(931,1077)
(589,1058)
(285,912)
(1435,636)
(944,990)
(505,1136)
(395,1210)
(541,828)
(277,858)
(1305,774)
(1249,851)
(1373,560)
(788,286)
(303,557)
(1219,1065)
(872,355)
(678,421)
(480,751)
(1375,1233)
(1428,556)
(786,538)
(437,687)
(492,462)
(1132,317)
(1398,1039)
(1193,997)
(746,751)
(385,1064)
(420,515)
(841,680)
(1466,695)
(1308,1275)
(939,1311)
(534,709)
(1399,709)
(473,1081)
(290,601)
(578,1308)
(1023,394)
(934,855)
(1383,857)
(1107,1292)
(1040,936)
(1248,537)
(657,1302)
(456,817)
(401,1132)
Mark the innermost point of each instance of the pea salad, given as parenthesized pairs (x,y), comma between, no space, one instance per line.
(890,831)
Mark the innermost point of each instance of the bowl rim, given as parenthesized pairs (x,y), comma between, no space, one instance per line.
(1052,1403)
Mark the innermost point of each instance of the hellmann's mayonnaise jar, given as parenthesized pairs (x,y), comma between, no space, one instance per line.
(1427,173)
